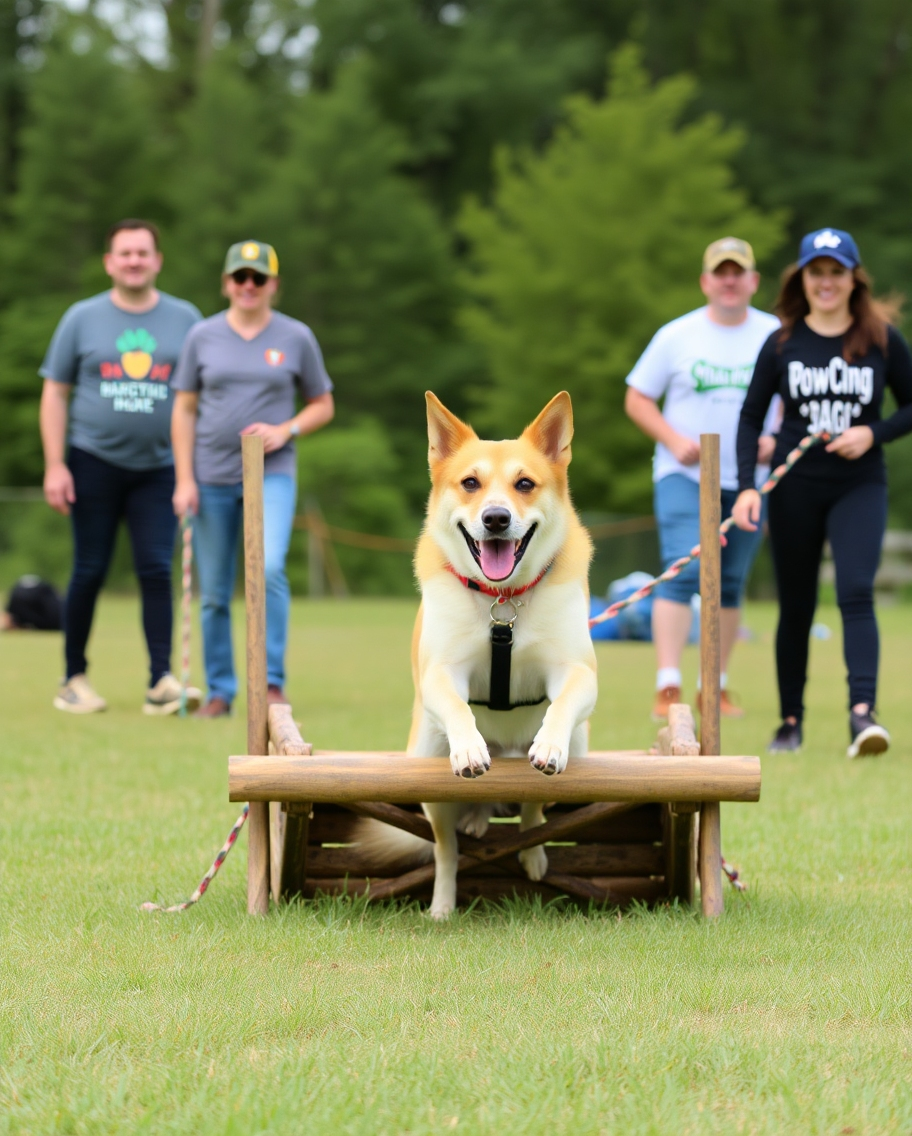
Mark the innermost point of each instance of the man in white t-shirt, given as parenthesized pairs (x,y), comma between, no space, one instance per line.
(701,364)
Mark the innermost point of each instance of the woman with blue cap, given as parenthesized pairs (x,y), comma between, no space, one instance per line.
(833,358)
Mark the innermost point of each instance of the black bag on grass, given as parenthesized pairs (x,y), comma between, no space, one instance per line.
(35,605)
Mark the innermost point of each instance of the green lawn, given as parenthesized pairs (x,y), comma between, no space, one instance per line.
(790,1015)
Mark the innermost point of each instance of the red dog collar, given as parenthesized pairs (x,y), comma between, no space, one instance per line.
(500,594)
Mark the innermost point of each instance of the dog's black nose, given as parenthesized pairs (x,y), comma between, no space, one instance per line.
(496,518)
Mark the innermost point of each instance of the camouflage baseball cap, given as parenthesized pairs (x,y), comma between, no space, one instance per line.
(729,248)
(252,254)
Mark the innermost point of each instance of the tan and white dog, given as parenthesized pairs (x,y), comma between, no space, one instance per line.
(500,526)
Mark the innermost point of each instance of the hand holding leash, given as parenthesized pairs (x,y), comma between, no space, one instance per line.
(746,513)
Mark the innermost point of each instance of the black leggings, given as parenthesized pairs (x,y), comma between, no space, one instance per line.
(803,513)
(106,494)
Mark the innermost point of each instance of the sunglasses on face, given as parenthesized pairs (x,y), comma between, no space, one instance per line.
(244,274)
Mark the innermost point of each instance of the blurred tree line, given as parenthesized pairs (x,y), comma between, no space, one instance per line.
(494,199)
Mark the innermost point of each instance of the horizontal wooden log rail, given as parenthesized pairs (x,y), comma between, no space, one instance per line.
(629,775)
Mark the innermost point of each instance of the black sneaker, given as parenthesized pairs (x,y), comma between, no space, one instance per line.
(787,739)
(868,739)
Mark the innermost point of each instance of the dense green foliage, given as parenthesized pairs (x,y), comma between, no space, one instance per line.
(442,178)
(590,247)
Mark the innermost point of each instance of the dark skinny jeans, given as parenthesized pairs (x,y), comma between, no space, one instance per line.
(105,494)
(803,513)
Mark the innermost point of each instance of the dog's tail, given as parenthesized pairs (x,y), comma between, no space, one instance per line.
(390,847)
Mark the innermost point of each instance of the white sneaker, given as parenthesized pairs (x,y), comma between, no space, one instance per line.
(77,697)
(868,738)
(165,697)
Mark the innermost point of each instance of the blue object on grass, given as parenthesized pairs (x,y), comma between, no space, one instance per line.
(635,622)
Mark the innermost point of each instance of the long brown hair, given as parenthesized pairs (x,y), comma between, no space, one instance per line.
(871,318)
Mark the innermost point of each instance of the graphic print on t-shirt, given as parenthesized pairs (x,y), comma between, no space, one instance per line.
(274,357)
(837,377)
(136,347)
(710,377)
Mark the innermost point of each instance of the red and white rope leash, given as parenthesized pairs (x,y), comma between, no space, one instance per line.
(187,595)
(679,565)
(734,876)
(209,876)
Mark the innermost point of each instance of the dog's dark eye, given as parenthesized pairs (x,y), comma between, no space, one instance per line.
(524,485)
(470,484)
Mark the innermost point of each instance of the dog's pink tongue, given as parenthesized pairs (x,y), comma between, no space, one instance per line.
(497,558)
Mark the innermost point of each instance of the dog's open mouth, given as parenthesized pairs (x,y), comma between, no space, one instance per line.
(498,558)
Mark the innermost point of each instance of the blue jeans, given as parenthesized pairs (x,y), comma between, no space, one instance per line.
(215,543)
(677,512)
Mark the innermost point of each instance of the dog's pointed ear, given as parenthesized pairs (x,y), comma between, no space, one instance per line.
(446,433)
(552,430)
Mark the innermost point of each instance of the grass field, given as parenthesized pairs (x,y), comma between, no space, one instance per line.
(790,1015)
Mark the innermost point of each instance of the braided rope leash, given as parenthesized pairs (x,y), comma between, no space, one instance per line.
(209,876)
(187,589)
(679,565)
(734,876)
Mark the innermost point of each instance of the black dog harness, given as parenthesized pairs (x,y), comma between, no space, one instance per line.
(501,642)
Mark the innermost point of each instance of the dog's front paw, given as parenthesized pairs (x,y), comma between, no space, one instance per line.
(534,862)
(471,758)
(548,757)
(440,912)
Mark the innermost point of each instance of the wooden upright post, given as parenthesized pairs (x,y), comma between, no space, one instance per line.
(257,720)
(710,850)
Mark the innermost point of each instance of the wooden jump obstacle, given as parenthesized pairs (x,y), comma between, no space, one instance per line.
(621,825)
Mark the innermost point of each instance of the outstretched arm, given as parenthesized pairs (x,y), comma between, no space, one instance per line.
(183,437)
(59,491)
(644,412)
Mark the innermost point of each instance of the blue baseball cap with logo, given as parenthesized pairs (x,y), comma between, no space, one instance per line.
(829,242)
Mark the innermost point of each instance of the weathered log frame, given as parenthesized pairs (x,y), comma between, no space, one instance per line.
(282,777)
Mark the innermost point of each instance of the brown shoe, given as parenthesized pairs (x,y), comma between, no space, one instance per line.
(664,698)
(214,708)
(727,708)
(275,694)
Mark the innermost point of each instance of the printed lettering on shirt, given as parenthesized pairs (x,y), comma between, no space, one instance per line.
(834,417)
(839,378)
(709,377)
(133,398)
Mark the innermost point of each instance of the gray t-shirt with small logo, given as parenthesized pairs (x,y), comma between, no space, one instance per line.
(119,365)
(241,381)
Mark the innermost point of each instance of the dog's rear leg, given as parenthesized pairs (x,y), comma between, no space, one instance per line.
(443,818)
(534,860)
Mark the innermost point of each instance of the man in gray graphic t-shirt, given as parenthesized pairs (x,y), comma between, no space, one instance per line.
(105,426)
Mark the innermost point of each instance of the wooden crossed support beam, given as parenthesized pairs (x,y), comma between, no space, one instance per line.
(495,845)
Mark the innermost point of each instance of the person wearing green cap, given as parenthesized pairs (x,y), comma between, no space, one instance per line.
(239,374)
